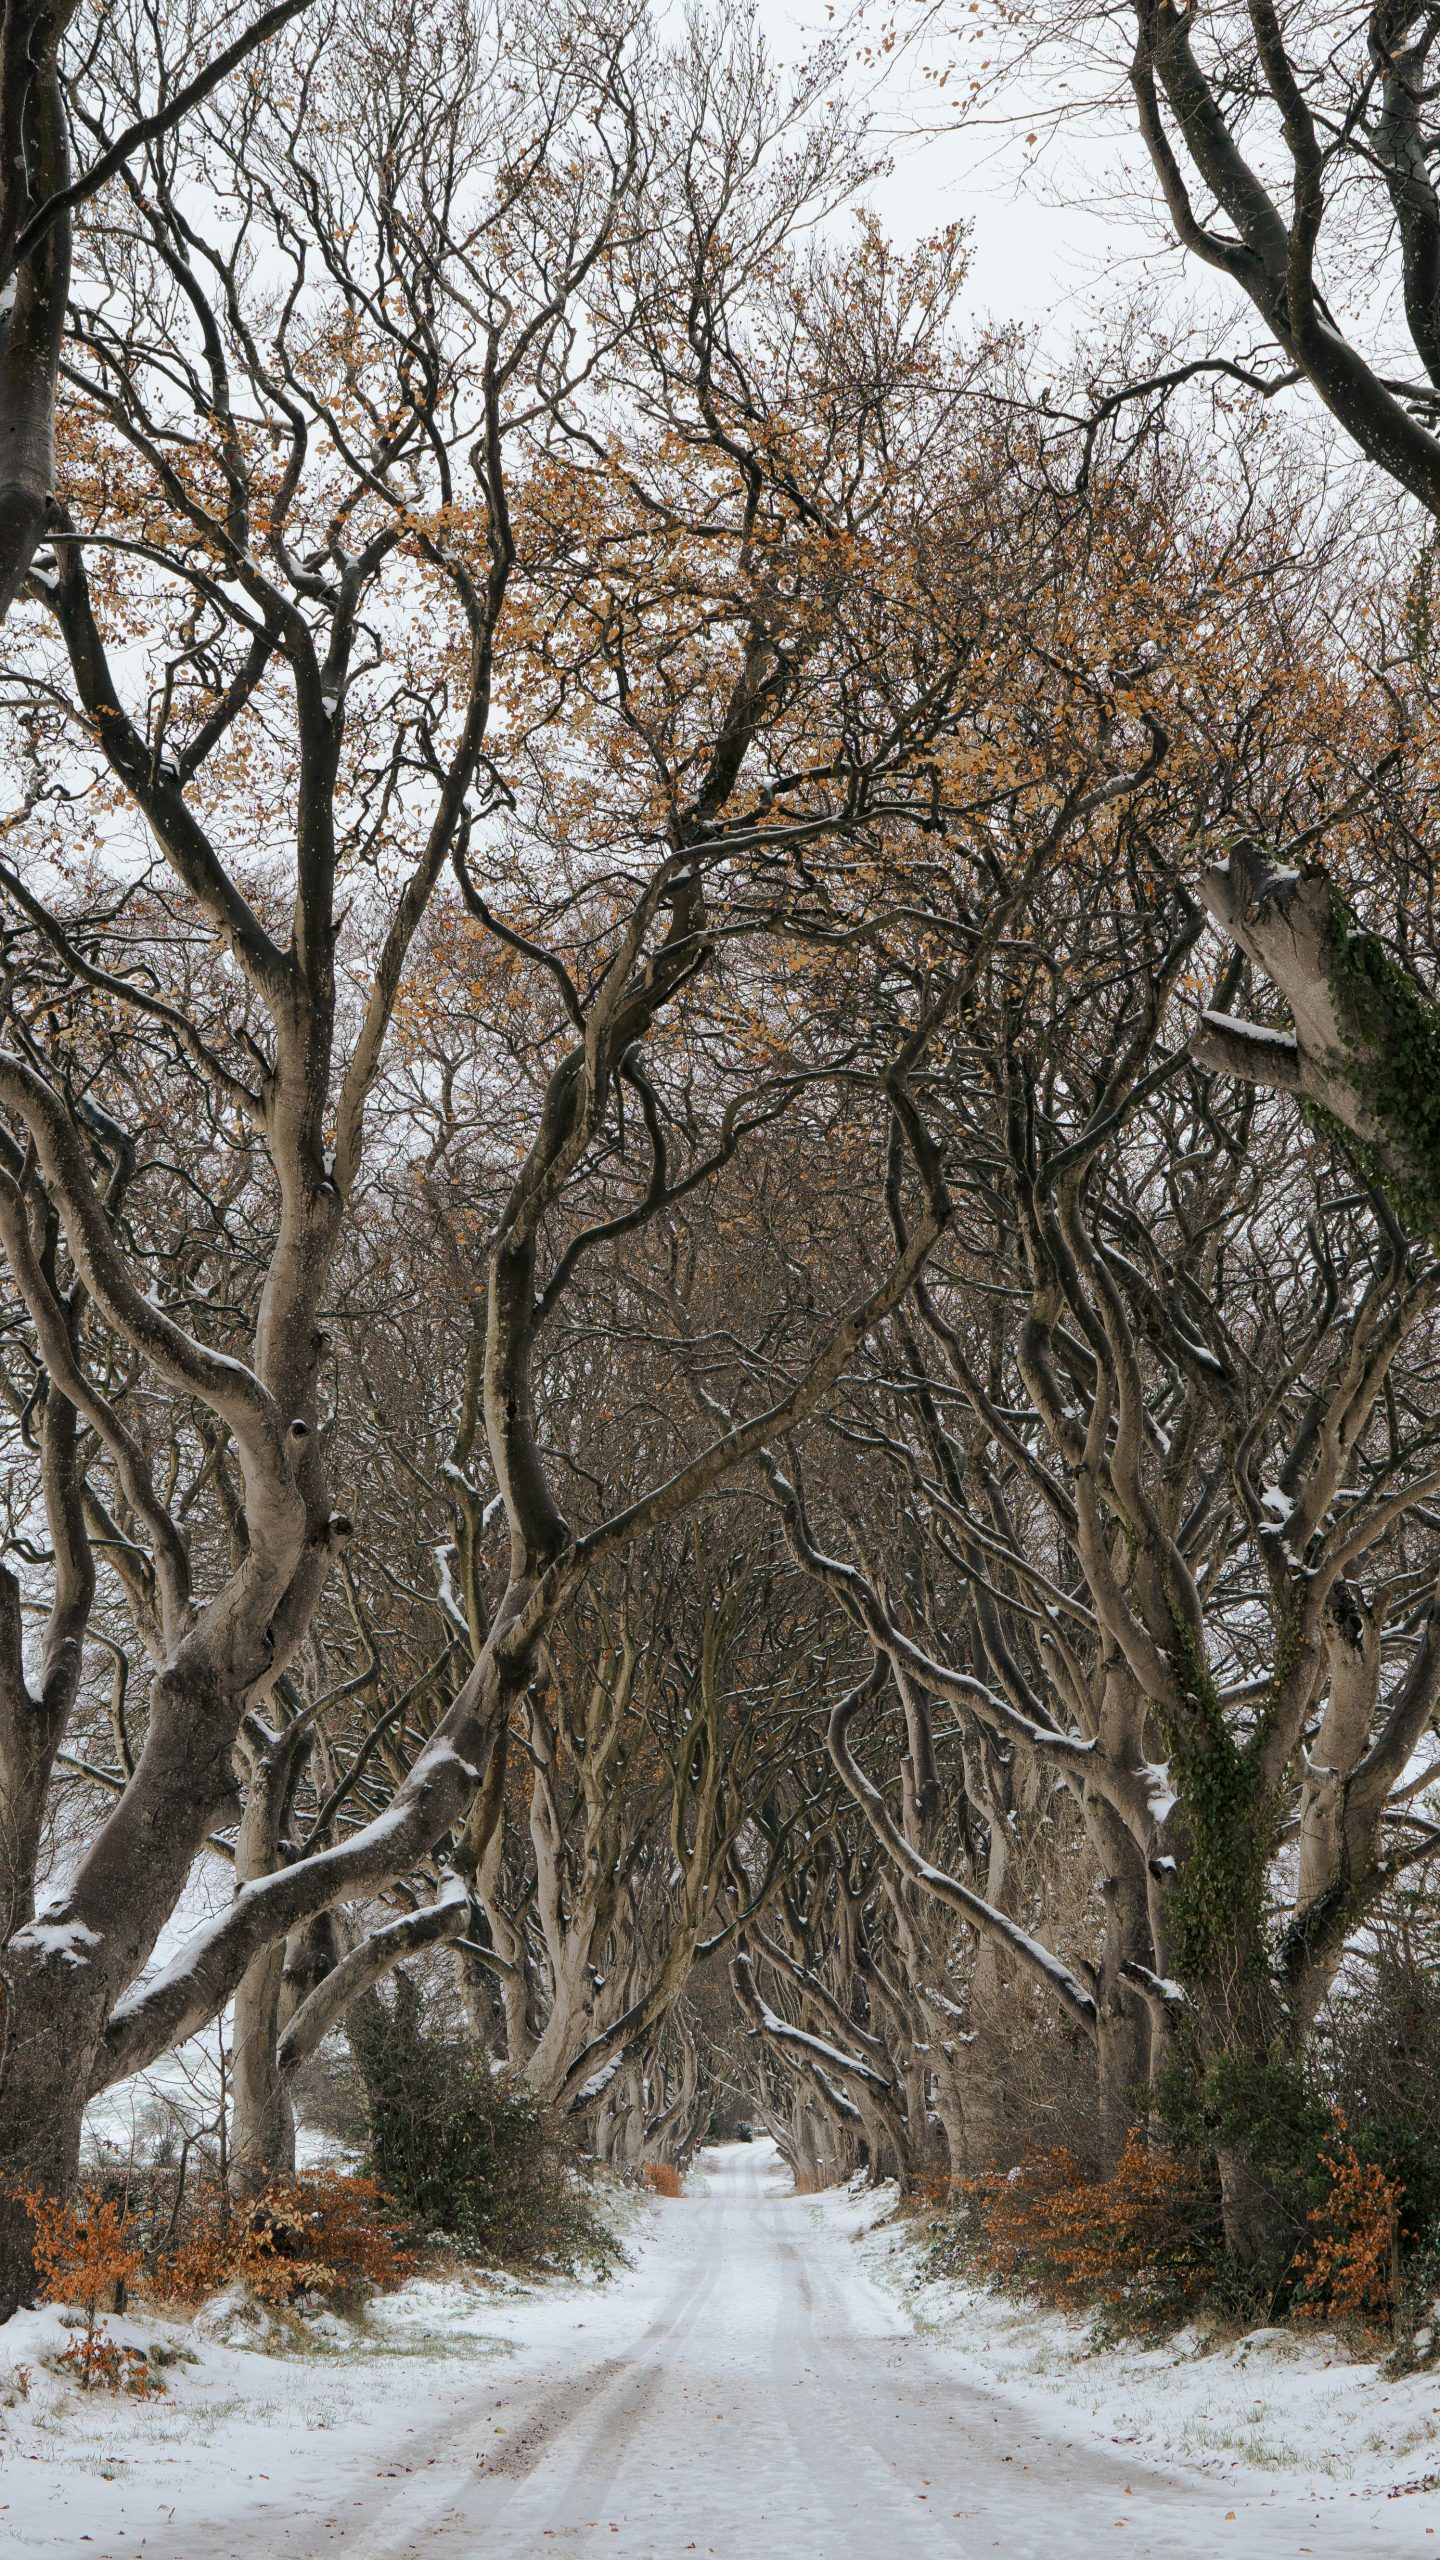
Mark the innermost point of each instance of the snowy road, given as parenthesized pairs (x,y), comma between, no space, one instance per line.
(744,2391)
(750,2395)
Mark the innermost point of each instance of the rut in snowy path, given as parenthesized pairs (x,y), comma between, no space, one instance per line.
(748,2394)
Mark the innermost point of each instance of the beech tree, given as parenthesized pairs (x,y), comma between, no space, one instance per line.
(401,529)
(1295,158)
(632,1341)
(1166,1411)
(47,94)
(276,668)
(635,1791)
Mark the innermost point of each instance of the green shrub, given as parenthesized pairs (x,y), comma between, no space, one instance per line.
(1272,2112)
(466,2153)
(1378,2055)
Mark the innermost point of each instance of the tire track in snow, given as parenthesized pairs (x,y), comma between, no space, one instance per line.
(850,2469)
(630,2388)
(418,2513)
(776,2401)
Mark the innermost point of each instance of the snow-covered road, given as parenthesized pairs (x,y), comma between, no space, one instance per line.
(750,2395)
(745,2391)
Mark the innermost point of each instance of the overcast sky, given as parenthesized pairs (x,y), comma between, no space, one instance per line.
(1057,232)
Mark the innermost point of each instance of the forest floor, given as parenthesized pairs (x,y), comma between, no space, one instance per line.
(766,2381)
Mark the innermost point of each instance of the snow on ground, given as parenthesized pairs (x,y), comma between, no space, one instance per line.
(1277,2405)
(755,2384)
(270,2433)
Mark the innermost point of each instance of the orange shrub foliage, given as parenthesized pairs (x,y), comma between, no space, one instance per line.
(1140,2237)
(1348,2271)
(935,2189)
(82,2251)
(99,2362)
(661,2177)
(323,2234)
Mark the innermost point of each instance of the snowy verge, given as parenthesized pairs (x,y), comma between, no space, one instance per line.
(1299,2410)
(262,2415)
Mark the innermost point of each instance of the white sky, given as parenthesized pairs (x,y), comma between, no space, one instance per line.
(1036,257)
(1043,242)
(1059,232)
